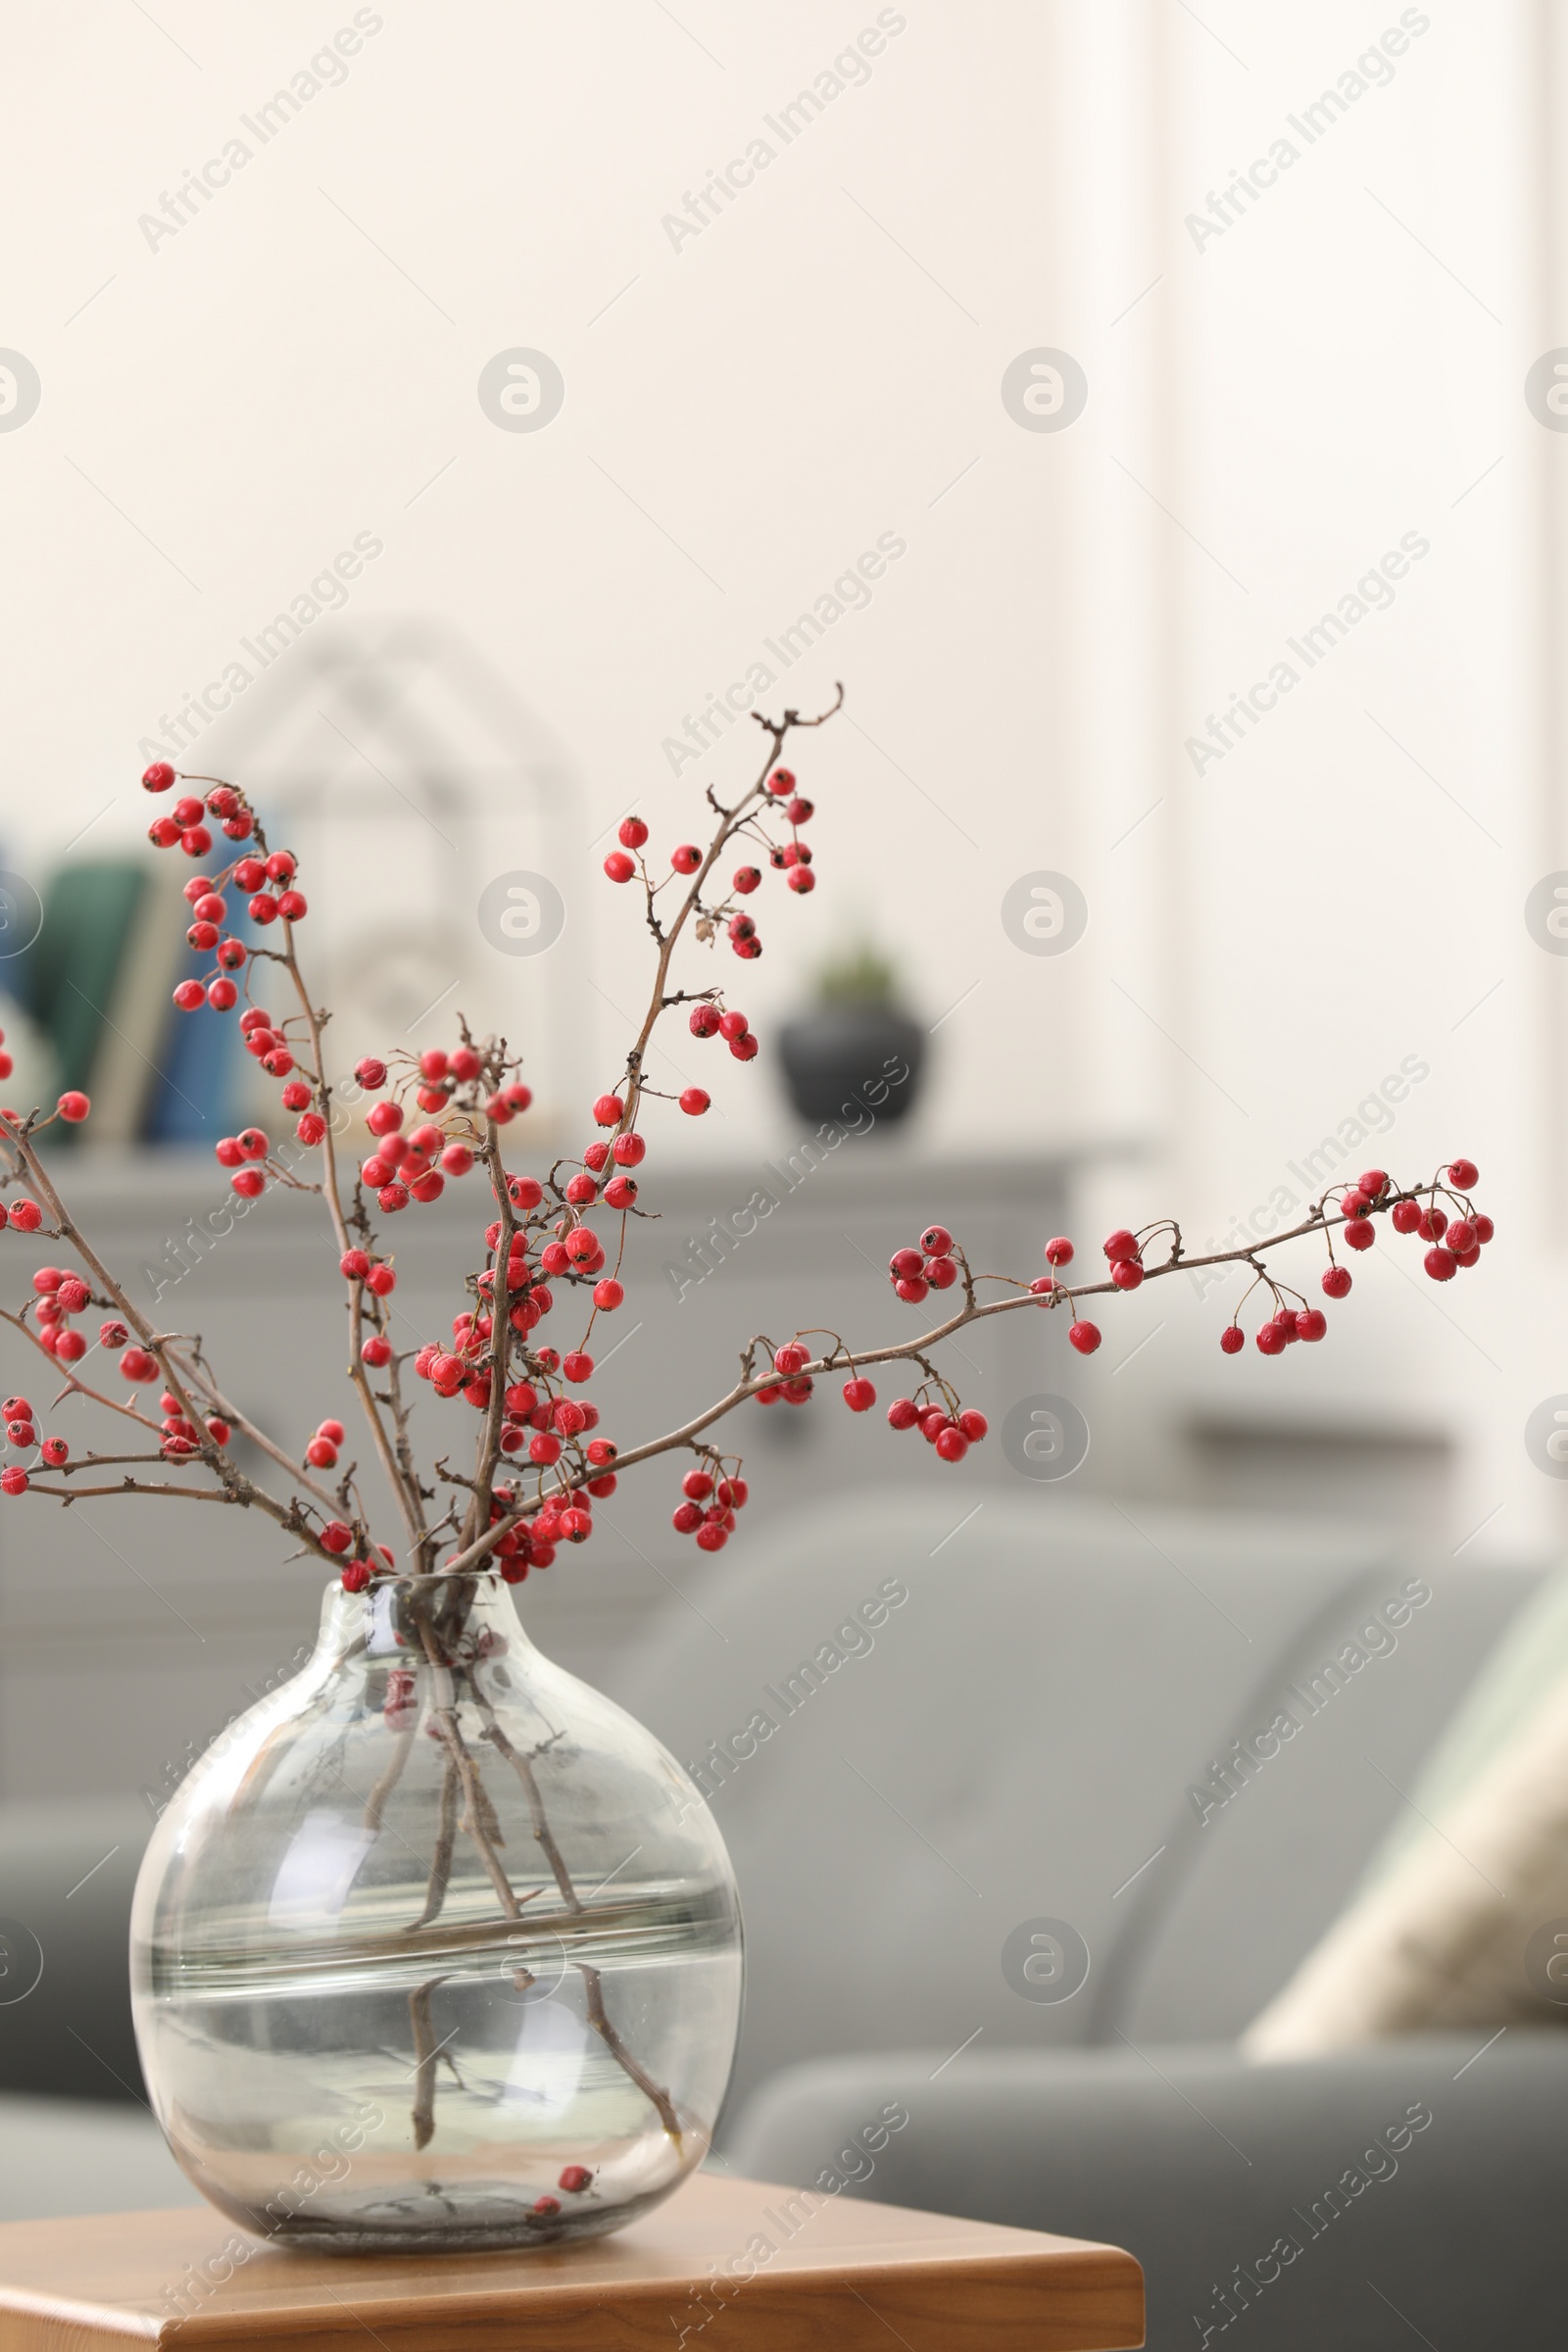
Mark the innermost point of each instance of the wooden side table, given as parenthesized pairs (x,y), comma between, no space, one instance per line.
(726,2265)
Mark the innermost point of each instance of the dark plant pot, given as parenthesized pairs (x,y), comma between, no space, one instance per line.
(842,1061)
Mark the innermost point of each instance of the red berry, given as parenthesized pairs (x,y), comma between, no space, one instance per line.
(138,1365)
(911,1288)
(1337,1282)
(249,1183)
(744,1049)
(312,1127)
(940,1272)
(391,1198)
(222,995)
(936,1240)
(320,1454)
(703,1020)
(974,1425)
(902,1413)
(1126,1273)
(1461,1237)
(621,1191)
(73,1105)
(905,1265)
(746,878)
(781,781)
(1374,1182)
(1270,1340)
(189,995)
(619,867)
(1439,1263)
(158,777)
(384,1119)
(802,878)
(377,1350)
(687,1518)
(1058,1251)
(687,858)
(1121,1244)
(711,1538)
(791,1359)
(1359,1233)
(577,1366)
(574,2178)
(333,1432)
(1434,1224)
(1354,1203)
(859,1395)
(14,1481)
(1085,1337)
(608,1294)
(633,832)
(1485,1227)
(356,1575)
(1463,1175)
(335,1536)
(952,1444)
(112,1335)
(733,1025)
(693,1102)
(628,1150)
(163,833)
(1405,1216)
(696,1486)
(1233,1339)
(1310,1323)
(369,1072)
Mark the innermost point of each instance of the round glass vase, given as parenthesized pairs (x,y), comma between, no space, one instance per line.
(435,1949)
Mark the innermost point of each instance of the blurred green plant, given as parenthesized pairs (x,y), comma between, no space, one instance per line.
(858,974)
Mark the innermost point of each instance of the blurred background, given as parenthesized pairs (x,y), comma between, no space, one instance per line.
(450,426)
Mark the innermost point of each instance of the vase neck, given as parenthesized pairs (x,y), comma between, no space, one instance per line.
(443,1620)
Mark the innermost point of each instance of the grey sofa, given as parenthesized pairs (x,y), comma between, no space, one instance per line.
(923,1740)
(1034,1735)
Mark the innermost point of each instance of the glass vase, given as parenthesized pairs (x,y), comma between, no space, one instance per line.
(435,1949)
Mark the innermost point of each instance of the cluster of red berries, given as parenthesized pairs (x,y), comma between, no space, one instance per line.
(794,1384)
(792,859)
(138,1365)
(184,823)
(952,1434)
(710,1020)
(710,1499)
(22,1435)
(57,1296)
(1454,1245)
(180,1435)
(931,1266)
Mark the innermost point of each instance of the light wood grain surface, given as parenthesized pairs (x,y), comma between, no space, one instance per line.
(796,2273)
